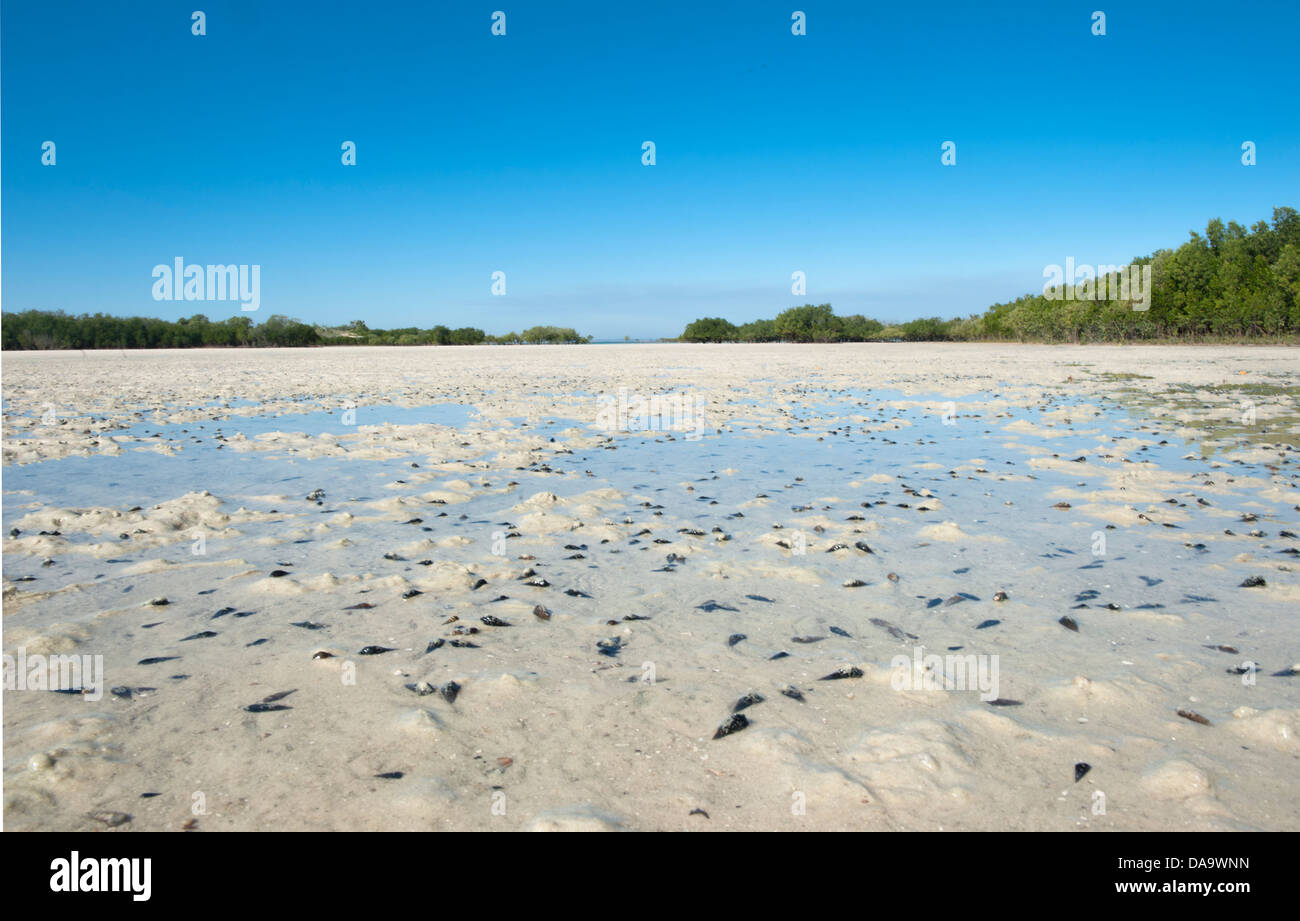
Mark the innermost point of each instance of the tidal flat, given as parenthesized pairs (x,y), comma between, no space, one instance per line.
(654,587)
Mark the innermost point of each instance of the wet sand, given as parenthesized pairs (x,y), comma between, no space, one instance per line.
(411,512)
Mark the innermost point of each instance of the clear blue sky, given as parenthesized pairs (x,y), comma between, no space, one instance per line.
(522,153)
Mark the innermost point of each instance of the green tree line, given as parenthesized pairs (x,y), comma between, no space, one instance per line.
(1229,283)
(40,329)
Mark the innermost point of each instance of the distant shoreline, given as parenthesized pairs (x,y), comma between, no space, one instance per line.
(1261,342)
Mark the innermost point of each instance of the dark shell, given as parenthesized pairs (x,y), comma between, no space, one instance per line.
(844,671)
(896,632)
(733,723)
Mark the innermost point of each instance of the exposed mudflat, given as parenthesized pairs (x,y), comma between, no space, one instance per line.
(539,614)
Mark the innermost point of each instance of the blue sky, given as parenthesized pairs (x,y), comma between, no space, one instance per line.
(522,153)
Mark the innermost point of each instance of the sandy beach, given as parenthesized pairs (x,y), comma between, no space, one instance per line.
(654,587)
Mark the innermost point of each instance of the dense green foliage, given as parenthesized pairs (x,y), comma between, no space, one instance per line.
(550,335)
(1230,283)
(798,324)
(711,329)
(38,329)
(809,323)
(357,333)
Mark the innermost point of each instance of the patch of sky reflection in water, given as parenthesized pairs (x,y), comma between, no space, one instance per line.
(800,475)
